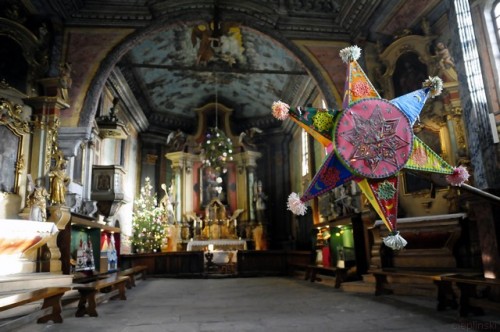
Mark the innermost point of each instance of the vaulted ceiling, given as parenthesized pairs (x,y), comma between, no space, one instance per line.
(174,68)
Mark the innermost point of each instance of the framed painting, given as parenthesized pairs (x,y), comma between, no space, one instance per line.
(10,150)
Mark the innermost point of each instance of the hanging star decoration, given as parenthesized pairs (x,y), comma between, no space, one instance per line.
(371,139)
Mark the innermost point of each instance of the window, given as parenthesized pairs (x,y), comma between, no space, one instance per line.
(305,152)
(496,19)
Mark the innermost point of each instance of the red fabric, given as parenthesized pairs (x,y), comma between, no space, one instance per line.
(326,256)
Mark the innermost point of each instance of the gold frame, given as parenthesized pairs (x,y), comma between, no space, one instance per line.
(10,118)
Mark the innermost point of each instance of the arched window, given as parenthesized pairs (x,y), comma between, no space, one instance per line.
(305,152)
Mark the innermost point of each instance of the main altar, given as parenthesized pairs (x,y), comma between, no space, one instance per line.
(214,200)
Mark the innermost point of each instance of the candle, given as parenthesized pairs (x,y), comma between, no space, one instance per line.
(210,247)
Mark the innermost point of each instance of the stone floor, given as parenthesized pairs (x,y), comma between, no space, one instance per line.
(262,304)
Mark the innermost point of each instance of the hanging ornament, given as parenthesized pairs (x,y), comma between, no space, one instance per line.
(373,141)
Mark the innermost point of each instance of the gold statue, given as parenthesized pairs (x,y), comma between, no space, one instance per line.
(59,180)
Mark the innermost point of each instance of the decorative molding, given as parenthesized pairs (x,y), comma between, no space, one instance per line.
(70,139)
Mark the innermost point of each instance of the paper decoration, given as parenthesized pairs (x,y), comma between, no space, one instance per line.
(369,141)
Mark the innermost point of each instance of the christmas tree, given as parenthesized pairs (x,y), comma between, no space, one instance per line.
(148,221)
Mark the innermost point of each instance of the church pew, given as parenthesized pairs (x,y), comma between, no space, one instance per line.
(88,292)
(470,300)
(51,297)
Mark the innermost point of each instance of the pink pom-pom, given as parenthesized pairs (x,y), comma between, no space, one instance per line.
(295,205)
(459,176)
(280,110)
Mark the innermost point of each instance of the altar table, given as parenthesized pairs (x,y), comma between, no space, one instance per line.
(225,245)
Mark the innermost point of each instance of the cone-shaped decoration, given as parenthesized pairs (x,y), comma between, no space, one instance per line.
(383,196)
(386,193)
(424,159)
(331,175)
(357,85)
(317,122)
(412,103)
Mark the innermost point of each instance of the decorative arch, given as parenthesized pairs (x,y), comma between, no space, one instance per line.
(253,19)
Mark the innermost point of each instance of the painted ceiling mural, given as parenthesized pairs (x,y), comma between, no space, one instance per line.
(174,71)
(181,69)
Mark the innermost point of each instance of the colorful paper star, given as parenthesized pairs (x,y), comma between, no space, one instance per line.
(372,140)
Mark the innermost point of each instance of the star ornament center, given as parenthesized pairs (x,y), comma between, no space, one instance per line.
(376,138)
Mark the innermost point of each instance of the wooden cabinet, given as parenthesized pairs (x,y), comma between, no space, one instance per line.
(88,246)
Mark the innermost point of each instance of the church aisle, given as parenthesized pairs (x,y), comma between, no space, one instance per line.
(259,304)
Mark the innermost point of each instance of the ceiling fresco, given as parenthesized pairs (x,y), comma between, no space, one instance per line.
(177,72)
(182,60)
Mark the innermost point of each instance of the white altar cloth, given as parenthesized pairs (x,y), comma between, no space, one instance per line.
(223,257)
(218,245)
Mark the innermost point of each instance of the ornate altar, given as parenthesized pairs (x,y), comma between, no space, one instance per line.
(216,223)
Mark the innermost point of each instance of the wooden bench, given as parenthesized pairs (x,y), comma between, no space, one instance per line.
(88,292)
(132,272)
(51,297)
(470,302)
(312,270)
(445,295)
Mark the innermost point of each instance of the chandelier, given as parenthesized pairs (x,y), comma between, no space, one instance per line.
(217,147)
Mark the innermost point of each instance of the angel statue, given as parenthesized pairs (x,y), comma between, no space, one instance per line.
(176,140)
(247,137)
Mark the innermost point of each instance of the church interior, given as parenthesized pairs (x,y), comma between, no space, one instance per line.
(357,140)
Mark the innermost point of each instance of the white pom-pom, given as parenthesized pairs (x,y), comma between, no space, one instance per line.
(350,53)
(395,241)
(295,205)
(435,84)
(280,110)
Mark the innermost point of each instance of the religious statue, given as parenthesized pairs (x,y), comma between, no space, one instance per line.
(37,202)
(259,237)
(444,56)
(260,199)
(247,137)
(167,206)
(176,140)
(65,80)
(59,180)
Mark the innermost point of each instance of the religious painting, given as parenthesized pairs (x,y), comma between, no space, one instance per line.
(213,185)
(409,74)
(9,153)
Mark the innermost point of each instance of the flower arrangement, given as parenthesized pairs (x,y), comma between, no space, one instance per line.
(148,221)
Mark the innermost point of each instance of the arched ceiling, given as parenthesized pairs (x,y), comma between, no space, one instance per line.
(247,72)
(253,67)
